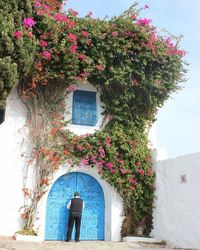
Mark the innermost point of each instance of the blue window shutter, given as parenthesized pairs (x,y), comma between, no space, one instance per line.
(84,109)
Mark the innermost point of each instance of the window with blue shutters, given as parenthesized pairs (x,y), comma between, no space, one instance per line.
(84,108)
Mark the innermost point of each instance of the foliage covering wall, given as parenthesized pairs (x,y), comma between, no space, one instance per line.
(46,52)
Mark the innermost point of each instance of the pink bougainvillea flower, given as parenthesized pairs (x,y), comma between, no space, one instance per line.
(73,12)
(99,164)
(115,34)
(135,82)
(138,164)
(37,3)
(126,171)
(66,152)
(158,82)
(123,171)
(85,33)
(84,162)
(149,172)
(43,43)
(148,158)
(182,52)
(33,85)
(78,78)
(109,165)
(133,16)
(133,181)
(109,117)
(30,34)
(41,8)
(100,67)
(93,159)
(28,22)
(82,57)
(101,152)
(135,36)
(113,171)
(80,148)
(18,34)
(70,23)
(168,40)
(128,34)
(59,17)
(170,45)
(121,162)
(73,49)
(89,42)
(72,88)
(47,54)
(140,171)
(152,37)
(108,141)
(84,75)
(144,21)
(72,38)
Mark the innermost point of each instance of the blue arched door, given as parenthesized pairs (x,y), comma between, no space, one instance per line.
(92,224)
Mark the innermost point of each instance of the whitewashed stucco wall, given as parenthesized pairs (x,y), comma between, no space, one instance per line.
(177,207)
(11,164)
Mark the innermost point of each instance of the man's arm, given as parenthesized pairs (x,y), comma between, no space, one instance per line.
(69,204)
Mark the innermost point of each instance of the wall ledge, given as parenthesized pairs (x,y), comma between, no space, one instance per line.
(141,239)
(22,237)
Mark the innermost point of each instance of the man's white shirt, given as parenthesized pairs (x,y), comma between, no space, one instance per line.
(69,203)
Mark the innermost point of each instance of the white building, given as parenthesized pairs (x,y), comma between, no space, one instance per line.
(176,213)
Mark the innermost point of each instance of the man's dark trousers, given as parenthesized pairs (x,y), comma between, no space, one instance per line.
(74,217)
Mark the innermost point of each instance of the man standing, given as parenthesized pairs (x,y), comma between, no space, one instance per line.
(76,206)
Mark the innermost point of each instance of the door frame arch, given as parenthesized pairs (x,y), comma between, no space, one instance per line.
(60,210)
(113,204)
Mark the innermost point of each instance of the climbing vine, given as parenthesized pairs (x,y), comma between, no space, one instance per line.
(121,155)
(135,70)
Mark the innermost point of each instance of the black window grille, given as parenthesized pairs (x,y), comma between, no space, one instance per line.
(2,116)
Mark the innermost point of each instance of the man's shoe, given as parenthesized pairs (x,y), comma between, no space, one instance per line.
(67,240)
(77,240)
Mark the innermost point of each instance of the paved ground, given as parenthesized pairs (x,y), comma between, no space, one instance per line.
(10,244)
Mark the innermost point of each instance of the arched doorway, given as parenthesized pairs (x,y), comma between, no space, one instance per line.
(92,225)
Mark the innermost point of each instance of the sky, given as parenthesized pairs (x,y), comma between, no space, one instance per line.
(178,121)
